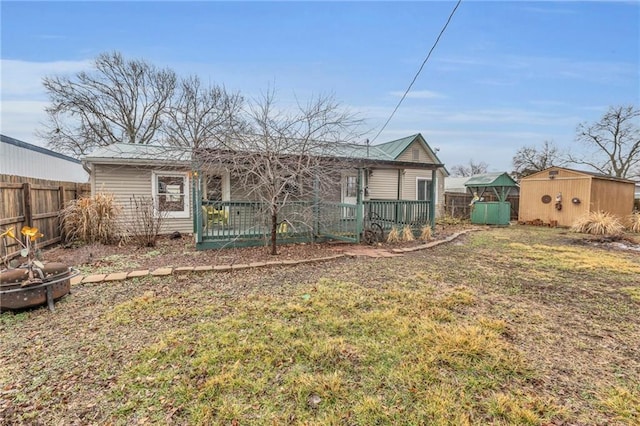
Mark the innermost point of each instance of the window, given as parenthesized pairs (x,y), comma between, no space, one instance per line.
(171,193)
(416,154)
(424,189)
(351,188)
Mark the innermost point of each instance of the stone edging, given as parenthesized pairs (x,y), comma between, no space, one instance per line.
(120,276)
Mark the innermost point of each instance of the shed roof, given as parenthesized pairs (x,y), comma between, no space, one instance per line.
(583,172)
(491,179)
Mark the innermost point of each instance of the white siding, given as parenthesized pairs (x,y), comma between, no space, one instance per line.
(410,183)
(124,182)
(18,161)
(383,184)
(423,154)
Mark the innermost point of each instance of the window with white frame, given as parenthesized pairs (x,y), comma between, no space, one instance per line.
(171,193)
(424,189)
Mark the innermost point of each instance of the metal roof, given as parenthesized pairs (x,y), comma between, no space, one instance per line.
(387,152)
(490,179)
(41,150)
(139,152)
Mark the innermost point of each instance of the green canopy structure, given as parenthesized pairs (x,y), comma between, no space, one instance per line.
(491,212)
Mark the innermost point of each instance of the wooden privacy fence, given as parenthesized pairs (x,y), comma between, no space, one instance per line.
(35,203)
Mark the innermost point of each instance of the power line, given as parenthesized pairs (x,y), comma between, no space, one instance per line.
(419,70)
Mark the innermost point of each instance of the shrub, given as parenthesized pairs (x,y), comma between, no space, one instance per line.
(145,222)
(598,223)
(426,234)
(634,223)
(448,219)
(92,219)
(394,236)
(407,234)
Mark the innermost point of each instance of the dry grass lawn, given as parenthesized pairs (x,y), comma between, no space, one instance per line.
(517,325)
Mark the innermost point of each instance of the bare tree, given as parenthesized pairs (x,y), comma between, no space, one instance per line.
(530,159)
(286,156)
(614,142)
(471,169)
(200,116)
(119,101)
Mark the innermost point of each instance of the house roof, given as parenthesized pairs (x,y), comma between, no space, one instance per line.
(139,153)
(490,179)
(386,153)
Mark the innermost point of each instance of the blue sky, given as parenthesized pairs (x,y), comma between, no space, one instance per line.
(504,75)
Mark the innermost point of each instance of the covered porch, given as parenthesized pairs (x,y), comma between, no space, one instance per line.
(242,223)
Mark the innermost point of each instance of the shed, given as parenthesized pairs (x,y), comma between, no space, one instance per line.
(559,196)
(491,212)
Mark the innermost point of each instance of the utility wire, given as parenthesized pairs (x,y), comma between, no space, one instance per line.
(419,70)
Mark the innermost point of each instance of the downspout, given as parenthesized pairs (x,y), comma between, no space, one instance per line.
(89,170)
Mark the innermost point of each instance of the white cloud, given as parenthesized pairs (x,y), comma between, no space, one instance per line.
(21,119)
(23,79)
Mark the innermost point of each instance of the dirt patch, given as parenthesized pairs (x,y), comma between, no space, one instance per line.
(169,252)
(627,242)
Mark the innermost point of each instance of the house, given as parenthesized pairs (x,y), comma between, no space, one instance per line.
(397,181)
(20,158)
(560,196)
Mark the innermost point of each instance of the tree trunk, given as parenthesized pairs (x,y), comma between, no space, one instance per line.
(274,233)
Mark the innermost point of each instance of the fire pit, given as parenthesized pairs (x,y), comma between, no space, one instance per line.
(18,292)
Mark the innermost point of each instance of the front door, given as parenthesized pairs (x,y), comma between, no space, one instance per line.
(349,195)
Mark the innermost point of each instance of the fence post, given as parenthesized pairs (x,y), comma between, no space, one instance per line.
(61,196)
(26,204)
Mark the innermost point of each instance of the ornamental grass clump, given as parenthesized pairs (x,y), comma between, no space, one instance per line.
(634,223)
(426,233)
(92,219)
(394,236)
(407,234)
(598,223)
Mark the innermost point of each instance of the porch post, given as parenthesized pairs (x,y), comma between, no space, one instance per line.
(197,204)
(432,204)
(359,206)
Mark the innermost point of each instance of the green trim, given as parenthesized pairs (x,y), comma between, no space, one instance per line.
(432,203)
